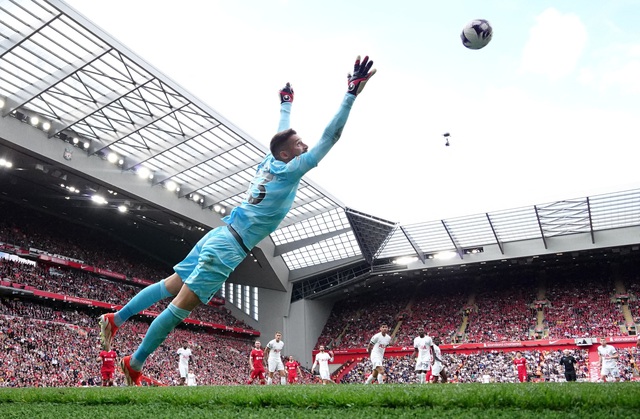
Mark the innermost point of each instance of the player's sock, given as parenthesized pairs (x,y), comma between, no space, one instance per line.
(269,381)
(283,381)
(421,378)
(142,300)
(157,333)
(369,379)
(380,379)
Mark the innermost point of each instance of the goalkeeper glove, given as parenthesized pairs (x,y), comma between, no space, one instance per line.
(286,93)
(361,74)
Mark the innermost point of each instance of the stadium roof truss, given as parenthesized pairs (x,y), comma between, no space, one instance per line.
(90,91)
(541,222)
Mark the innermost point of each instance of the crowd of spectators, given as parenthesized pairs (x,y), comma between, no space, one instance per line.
(76,283)
(30,229)
(354,320)
(53,346)
(502,311)
(633,297)
(582,309)
(438,310)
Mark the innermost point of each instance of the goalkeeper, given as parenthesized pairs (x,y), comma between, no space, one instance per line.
(269,197)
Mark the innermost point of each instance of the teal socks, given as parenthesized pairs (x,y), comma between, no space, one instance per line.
(157,333)
(143,300)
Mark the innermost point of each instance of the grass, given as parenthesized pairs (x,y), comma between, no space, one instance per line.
(540,400)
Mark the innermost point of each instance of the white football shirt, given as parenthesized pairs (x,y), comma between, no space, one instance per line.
(379,343)
(323,358)
(191,379)
(423,345)
(275,348)
(605,352)
(185,354)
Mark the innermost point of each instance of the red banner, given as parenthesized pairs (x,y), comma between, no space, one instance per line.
(217,301)
(76,300)
(53,260)
(140,281)
(109,273)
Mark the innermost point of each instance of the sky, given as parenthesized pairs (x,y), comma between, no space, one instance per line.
(547,111)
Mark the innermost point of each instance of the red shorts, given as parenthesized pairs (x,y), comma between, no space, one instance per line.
(292,378)
(522,376)
(257,374)
(107,374)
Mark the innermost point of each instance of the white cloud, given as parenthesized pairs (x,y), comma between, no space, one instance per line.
(615,67)
(555,44)
(625,77)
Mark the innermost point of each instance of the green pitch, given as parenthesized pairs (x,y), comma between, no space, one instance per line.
(541,400)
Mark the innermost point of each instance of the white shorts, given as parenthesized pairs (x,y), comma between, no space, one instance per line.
(423,364)
(325,374)
(610,371)
(275,365)
(377,362)
(436,369)
(184,370)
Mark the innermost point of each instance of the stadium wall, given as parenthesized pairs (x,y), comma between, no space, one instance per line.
(304,325)
(273,307)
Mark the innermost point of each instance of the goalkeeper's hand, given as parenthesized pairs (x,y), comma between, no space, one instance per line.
(286,93)
(361,74)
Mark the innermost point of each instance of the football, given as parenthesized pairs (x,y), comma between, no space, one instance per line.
(476,34)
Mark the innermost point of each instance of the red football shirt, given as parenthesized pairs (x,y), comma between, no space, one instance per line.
(521,363)
(108,360)
(257,358)
(292,367)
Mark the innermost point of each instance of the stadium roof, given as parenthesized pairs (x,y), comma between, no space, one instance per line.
(541,222)
(73,82)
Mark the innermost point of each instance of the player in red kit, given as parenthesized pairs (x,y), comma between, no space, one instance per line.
(108,360)
(293,369)
(256,363)
(521,366)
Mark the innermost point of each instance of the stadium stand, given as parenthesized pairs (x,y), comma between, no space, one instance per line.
(505,310)
(583,302)
(71,241)
(57,346)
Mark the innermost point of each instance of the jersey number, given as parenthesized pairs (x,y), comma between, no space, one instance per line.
(267,177)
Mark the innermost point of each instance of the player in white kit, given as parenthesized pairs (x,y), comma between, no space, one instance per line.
(322,360)
(377,345)
(273,353)
(438,372)
(183,363)
(608,361)
(191,379)
(422,352)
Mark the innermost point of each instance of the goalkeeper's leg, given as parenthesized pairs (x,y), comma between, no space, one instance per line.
(150,295)
(110,322)
(178,310)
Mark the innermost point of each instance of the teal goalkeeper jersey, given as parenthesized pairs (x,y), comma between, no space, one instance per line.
(273,189)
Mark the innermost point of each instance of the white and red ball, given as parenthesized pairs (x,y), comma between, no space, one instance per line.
(476,34)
